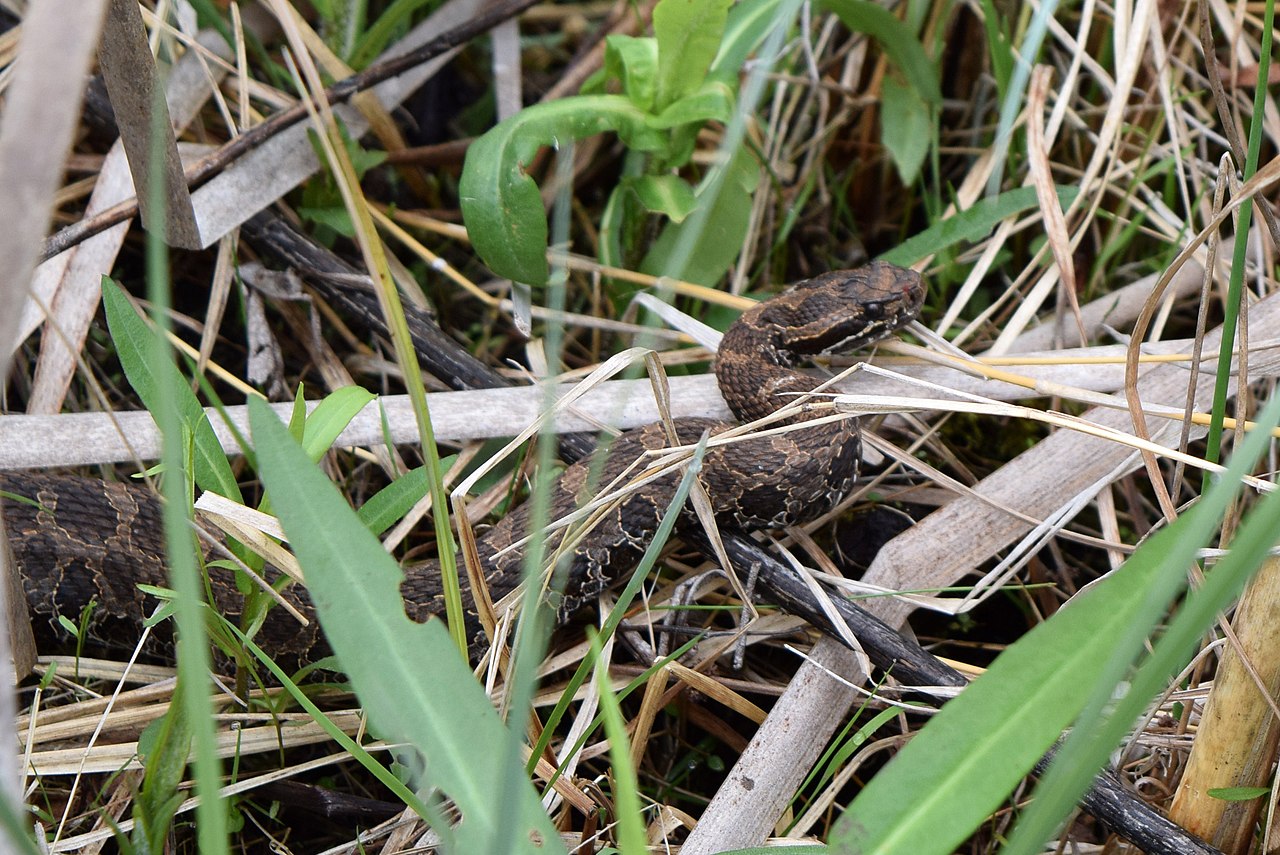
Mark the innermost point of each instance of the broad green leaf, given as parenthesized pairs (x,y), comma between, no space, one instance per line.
(134,340)
(501,204)
(968,758)
(910,110)
(971,755)
(334,217)
(688,34)
(407,675)
(665,194)
(898,41)
(906,128)
(331,417)
(971,224)
(713,100)
(633,62)
(722,230)
(362,159)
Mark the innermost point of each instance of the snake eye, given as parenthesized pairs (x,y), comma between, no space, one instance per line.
(873,311)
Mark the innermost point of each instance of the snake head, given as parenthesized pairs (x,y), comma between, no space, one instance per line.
(843,310)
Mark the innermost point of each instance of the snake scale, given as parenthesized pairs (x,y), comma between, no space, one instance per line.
(91,539)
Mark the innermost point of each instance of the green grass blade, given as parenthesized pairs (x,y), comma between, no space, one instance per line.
(346,743)
(1231,305)
(164,747)
(1012,95)
(385,508)
(155,379)
(17,830)
(379,34)
(588,733)
(972,224)
(748,24)
(331,417)
(1106,720)
(657,543)
(188,446)
(998,48)
(838,753)
(959,768)
(409,676)
(626,787)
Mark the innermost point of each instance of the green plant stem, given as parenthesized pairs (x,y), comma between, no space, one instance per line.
(194,663)
(393,311)
(626,786)
(1231,311)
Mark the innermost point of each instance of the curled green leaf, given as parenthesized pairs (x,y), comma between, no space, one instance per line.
(633,62)
(501,204)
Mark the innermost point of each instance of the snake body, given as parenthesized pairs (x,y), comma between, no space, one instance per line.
(89,539)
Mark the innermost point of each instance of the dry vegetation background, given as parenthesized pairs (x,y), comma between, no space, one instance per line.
(1131,142)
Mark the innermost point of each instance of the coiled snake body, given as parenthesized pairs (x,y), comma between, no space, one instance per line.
(91,539)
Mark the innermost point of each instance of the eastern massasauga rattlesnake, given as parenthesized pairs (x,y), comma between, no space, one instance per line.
(95,539)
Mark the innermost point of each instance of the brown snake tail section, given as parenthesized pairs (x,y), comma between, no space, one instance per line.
(90,539)
(86,539)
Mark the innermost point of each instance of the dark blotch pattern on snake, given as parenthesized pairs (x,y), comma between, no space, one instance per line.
(94,539)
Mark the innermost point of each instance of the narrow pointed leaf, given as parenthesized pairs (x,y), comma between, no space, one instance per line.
(408,675)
